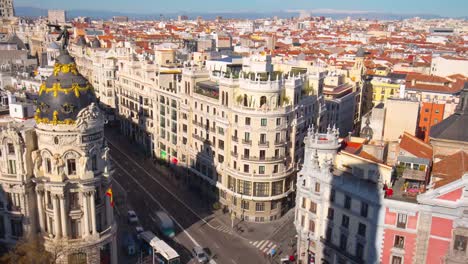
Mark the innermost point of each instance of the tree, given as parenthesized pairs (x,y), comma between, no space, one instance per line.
(28,250)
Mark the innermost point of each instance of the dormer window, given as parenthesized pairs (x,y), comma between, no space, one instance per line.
(71,166)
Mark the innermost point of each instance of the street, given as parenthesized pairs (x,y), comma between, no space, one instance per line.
(195,227)
(148,190)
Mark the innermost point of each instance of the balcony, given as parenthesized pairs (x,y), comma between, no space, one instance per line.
(247,142)
(279,142)
(234,154)
(253,158)
(264,144)
(235,139)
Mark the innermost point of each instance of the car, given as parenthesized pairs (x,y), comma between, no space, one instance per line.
(132,217)
(200,255)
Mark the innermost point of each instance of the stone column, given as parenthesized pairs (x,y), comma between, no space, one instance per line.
(40,209)
(86,214)
(109,212)
(93,212)
(56,216)
(63,216)
(114,258)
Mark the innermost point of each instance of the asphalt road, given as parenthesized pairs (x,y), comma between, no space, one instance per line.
(196,226)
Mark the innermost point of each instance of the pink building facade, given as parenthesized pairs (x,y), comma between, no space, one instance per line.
(431,229)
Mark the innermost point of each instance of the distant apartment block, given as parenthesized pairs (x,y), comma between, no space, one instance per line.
(57,16)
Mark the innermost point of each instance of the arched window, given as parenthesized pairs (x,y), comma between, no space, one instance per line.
(263,100)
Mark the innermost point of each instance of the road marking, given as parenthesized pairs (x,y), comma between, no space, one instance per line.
(255,243)
(156,201)
(261,243)
(162,185)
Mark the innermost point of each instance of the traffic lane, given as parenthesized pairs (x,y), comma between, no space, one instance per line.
(187,219)
(141,204)
(226,248)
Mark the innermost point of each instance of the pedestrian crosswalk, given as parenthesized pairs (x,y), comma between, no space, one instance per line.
(224,229)
(265,246)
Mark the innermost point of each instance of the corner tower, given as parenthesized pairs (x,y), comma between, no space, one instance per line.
(72,169)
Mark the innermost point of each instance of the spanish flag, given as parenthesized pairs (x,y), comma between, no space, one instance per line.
(111,196)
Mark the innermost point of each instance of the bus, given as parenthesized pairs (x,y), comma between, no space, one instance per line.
(165,224)
(156,251)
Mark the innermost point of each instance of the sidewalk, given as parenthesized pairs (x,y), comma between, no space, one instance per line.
(255,231)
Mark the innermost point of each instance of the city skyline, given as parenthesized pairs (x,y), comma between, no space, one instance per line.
(456,8)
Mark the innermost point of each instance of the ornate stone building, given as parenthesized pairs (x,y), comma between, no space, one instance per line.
(6,9)
(56,176)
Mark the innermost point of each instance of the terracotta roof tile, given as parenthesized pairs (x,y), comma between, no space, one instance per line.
(416,146)
(450,168)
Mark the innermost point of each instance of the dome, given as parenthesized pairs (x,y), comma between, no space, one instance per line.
(63,94)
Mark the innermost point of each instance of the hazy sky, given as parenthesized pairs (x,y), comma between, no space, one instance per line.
(438,7)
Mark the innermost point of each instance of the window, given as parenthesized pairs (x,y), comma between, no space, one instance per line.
(401,221)
(312,226)
(343,241)
(261,169)
(274,205)
(364,209)
(332,195)
(275,168)
(362,230)
(262,189)
(246,153)
(345,221)
(259,207)
(245,205)
(220,158)
(244,187)
(246,168)
(74,201)
(278,121)
(71,166)
(277,188)
(426,110)
(247,121)
(331,213)
(359,250)
(302,221)
(16,228)
(317,187)
(313,207)
(460,243)
(11,166)
(75,227)
(247,136)
(262,138)
(399,241)
(94,163)
(236,118)
(304,201)
(397,260)
(11,149)
(48,165)
(328,234)
(221,144)
(263,122)
(347,202)
(437,111)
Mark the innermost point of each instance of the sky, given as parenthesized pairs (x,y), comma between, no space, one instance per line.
(452,8)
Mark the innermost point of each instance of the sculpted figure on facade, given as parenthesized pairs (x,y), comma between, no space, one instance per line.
(37,162)
(58,164)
